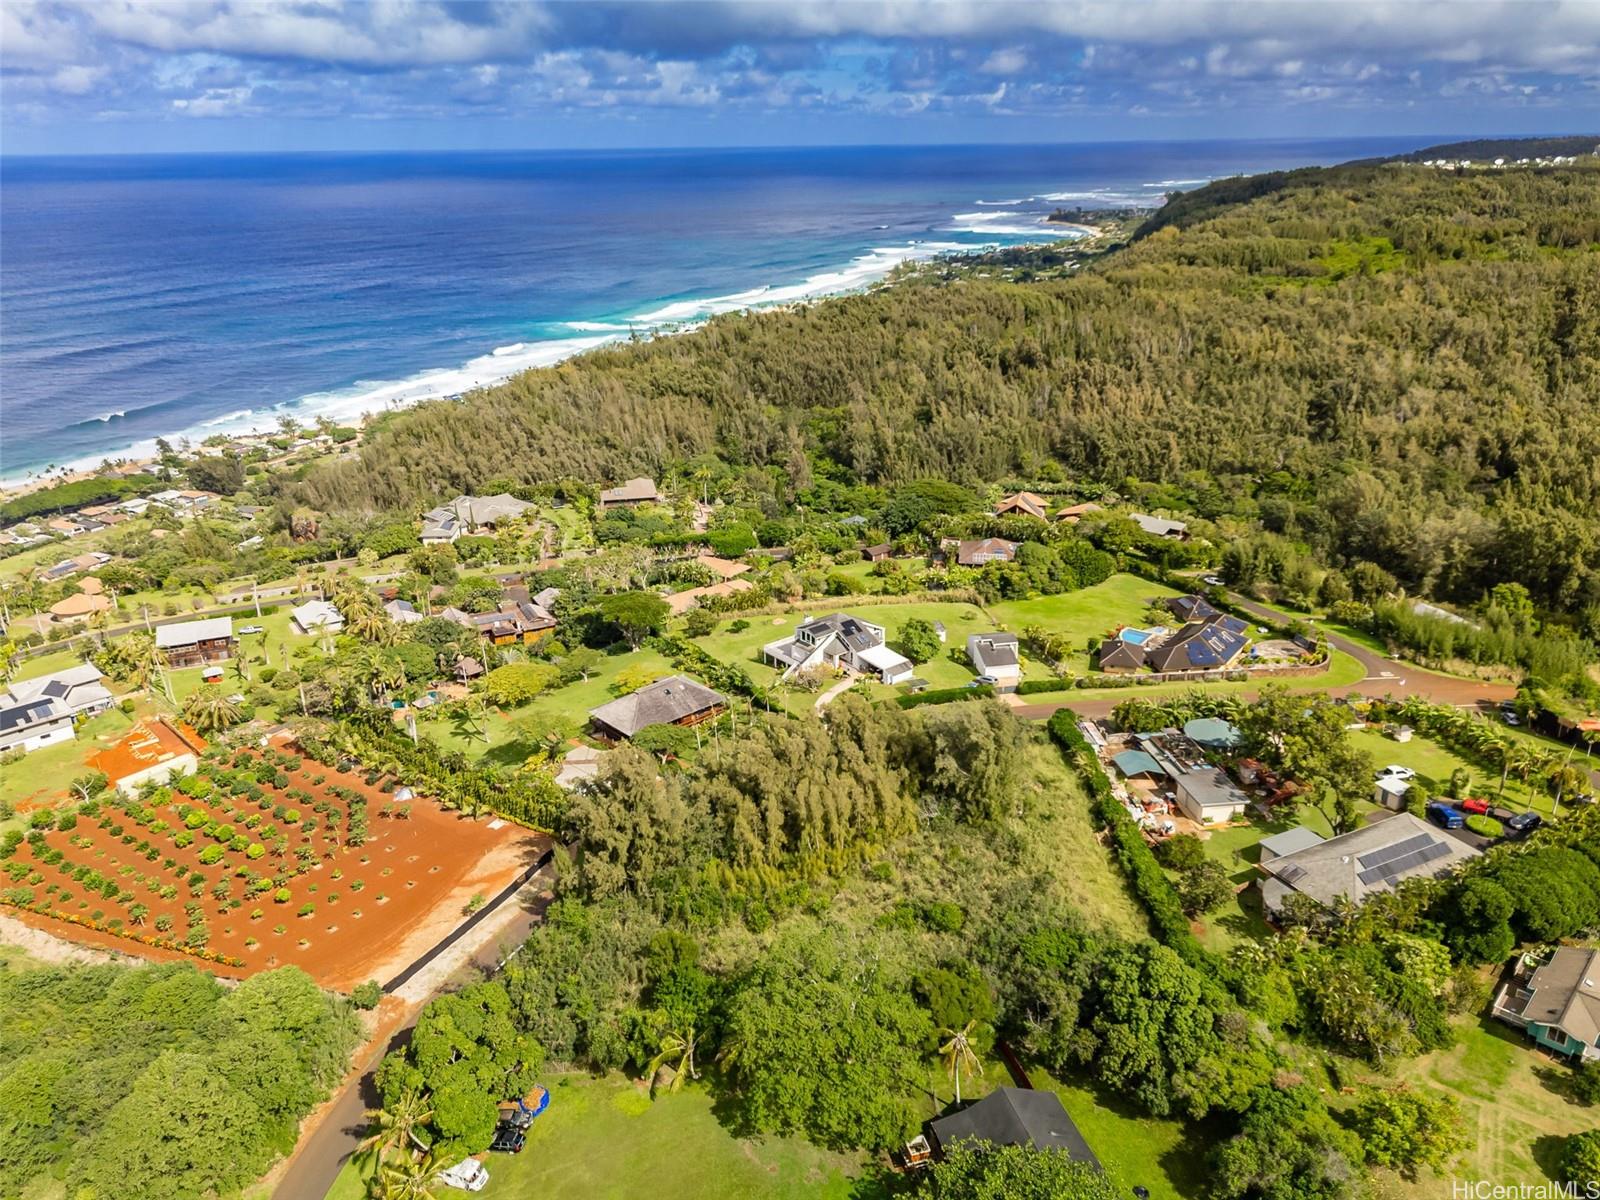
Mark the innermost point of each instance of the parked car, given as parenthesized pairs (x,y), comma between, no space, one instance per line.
(1474,804)
(985,681)
(1583,798)
(1501,813)
(1213,581)
(508,1139)
(1394,771)
(469,1175)
(1446,817)
(516,1117)
(252,629)
(1509,717)
(1524,823)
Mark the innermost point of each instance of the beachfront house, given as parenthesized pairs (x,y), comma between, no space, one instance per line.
(838,641)
(1554,997)
(196,643)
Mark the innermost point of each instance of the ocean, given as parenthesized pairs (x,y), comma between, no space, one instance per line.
(186,296)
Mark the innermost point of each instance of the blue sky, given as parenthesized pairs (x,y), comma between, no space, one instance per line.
(96,76)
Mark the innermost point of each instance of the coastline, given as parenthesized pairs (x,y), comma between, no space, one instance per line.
(360,402)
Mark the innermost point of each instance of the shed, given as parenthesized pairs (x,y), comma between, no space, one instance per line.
(1137,762)
(1391,793)
(1012,1116)
(1212,732)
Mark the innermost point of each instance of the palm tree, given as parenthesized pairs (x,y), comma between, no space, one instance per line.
(211,711)
(678,1049)
(411,1177)
(394,1128)
(958,1053)
(141,660)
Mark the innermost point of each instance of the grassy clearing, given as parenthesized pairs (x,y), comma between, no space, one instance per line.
(1513,1101)
(571,703)
(1435,763)
(605,1138)
(1136,1151)
(1060,840)
(1093,613)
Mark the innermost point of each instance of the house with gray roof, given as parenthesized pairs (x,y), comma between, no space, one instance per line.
(1375,858)
(1161,526)
(1203,790)
(842,642)
(1011,1116)
(996,656)
(195,643)
(1555,998)
(80,690)
(469,514)
(30,724)
(1213,644)
(675,700)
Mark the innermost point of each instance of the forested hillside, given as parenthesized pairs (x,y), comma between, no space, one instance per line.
(1386,362)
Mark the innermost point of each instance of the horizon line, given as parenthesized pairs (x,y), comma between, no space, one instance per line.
(757,147)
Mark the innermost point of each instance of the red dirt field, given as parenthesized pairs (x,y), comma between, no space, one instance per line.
(376,907)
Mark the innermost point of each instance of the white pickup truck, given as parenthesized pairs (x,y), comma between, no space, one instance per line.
(469,1175)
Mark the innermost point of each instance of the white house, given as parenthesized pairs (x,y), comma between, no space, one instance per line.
(79,689)
(995,657)
(316,616)
(468,514)
(841,641)
(29,724)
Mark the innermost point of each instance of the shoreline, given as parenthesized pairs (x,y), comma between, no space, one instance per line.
(359,403)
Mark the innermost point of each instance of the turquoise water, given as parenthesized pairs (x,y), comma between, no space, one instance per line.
(154,296)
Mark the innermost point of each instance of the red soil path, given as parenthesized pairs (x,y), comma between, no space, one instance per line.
(426,867)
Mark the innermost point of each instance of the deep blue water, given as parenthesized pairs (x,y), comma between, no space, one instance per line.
(156,295)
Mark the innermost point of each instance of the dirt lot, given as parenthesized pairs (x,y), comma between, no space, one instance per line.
(269,877)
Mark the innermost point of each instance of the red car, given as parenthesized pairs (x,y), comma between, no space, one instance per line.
(1473,805)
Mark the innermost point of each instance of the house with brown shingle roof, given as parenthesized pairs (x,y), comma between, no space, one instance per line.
(978,551)
(634,491)
(1027,504)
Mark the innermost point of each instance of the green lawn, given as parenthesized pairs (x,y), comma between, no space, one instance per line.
(1135,1150)
(45,774)
(606,1138)
(1092,613)
(1515,1108)
(572,702)
(743,649)
(1434,763)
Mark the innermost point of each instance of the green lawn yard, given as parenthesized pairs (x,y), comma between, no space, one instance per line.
(1434,763)
(607,1138)
(743,649)
(44,775)
(571,703)
(1094,612)
(1515,1120)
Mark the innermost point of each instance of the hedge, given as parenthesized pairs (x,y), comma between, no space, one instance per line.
(1150,883)
(1030,687)
(946,696)
(686,656)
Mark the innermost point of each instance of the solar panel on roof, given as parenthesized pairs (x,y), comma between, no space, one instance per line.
(1397,867)
(1291,873)
(1371,875)
(1436,851)
(1377,858)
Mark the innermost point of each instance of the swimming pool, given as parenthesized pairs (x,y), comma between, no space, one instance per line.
(1138,637)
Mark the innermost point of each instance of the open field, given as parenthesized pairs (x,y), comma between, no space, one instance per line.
(1515,1112)
(606,1139)
(269,881)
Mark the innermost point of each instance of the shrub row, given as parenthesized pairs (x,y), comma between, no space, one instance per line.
(946,696)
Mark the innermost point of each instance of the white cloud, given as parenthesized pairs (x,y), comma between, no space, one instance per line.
(1005,62)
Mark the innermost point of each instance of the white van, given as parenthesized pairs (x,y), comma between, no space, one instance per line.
(469,1175)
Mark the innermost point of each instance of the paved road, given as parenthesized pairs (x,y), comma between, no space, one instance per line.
(318,1161)
(1384,677)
